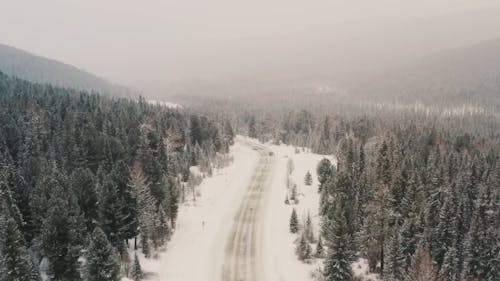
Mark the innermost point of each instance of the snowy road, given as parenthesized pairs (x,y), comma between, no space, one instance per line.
(243,259)
(237,228)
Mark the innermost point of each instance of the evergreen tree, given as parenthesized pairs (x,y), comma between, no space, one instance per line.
(129,224)
(422,266)
(293,194)
(136,273)
(394,260)
(102,259)
(308,228)
(294,223)
(15,262)
(84,184)
(481,243)
(61,242)
(111,214)
(325,142)
(320,251)
(324,171)
(252,131)
(339,256)
(308,178)
(303,249)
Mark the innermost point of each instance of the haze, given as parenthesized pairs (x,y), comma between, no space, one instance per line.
(150,44)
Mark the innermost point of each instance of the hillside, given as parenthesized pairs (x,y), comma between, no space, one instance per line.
(468,75)
(19,63)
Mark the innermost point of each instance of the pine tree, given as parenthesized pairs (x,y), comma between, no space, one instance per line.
(324,171)
(111,214)
(319,248)
(339,256)
(129,224)
(394,260)
(8,205)
(102,259)
(308,228)
(136,273)
(293,194)
(294,223)
(61,242)
(303,249)
(252,131)
(15,262)
(422,266)
(325,142)
(83,184)
(450,268)
(308,178)
(481,243)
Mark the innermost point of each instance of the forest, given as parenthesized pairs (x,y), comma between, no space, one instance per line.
(419,203)
(85,177)
(416,195)
(414,192)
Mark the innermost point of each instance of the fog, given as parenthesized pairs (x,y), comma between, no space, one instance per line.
(151,44)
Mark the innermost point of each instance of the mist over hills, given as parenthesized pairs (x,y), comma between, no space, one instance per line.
(24,65)
(466,75)
(327,53)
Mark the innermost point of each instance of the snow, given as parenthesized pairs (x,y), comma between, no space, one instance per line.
(360,269)
(166,104)
(196,250)
(281,261)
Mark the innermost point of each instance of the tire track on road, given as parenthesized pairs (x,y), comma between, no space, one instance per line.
(243,246)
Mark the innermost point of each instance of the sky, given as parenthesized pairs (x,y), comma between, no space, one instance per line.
(132,42)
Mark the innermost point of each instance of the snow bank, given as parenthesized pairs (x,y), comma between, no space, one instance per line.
(196,250)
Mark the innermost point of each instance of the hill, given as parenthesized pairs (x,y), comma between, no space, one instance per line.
(466,75)
(22,64)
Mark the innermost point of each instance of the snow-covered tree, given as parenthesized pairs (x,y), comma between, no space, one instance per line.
(324,171)
(136,271)
(422,266)
(15,261)
(102,259)
(308,178)
(394,259)
(339,256)
(308,228)
(294,222)
(61,242)
(303,249)
(320,251)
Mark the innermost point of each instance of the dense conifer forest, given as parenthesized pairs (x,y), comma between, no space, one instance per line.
(417,191)
(84,177)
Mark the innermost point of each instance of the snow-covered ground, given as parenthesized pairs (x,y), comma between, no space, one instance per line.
(282,262)
(166,104)
(196,250)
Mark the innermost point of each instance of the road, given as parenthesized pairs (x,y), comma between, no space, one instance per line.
(243,259)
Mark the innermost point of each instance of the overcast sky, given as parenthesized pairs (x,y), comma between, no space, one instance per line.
(130,41)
